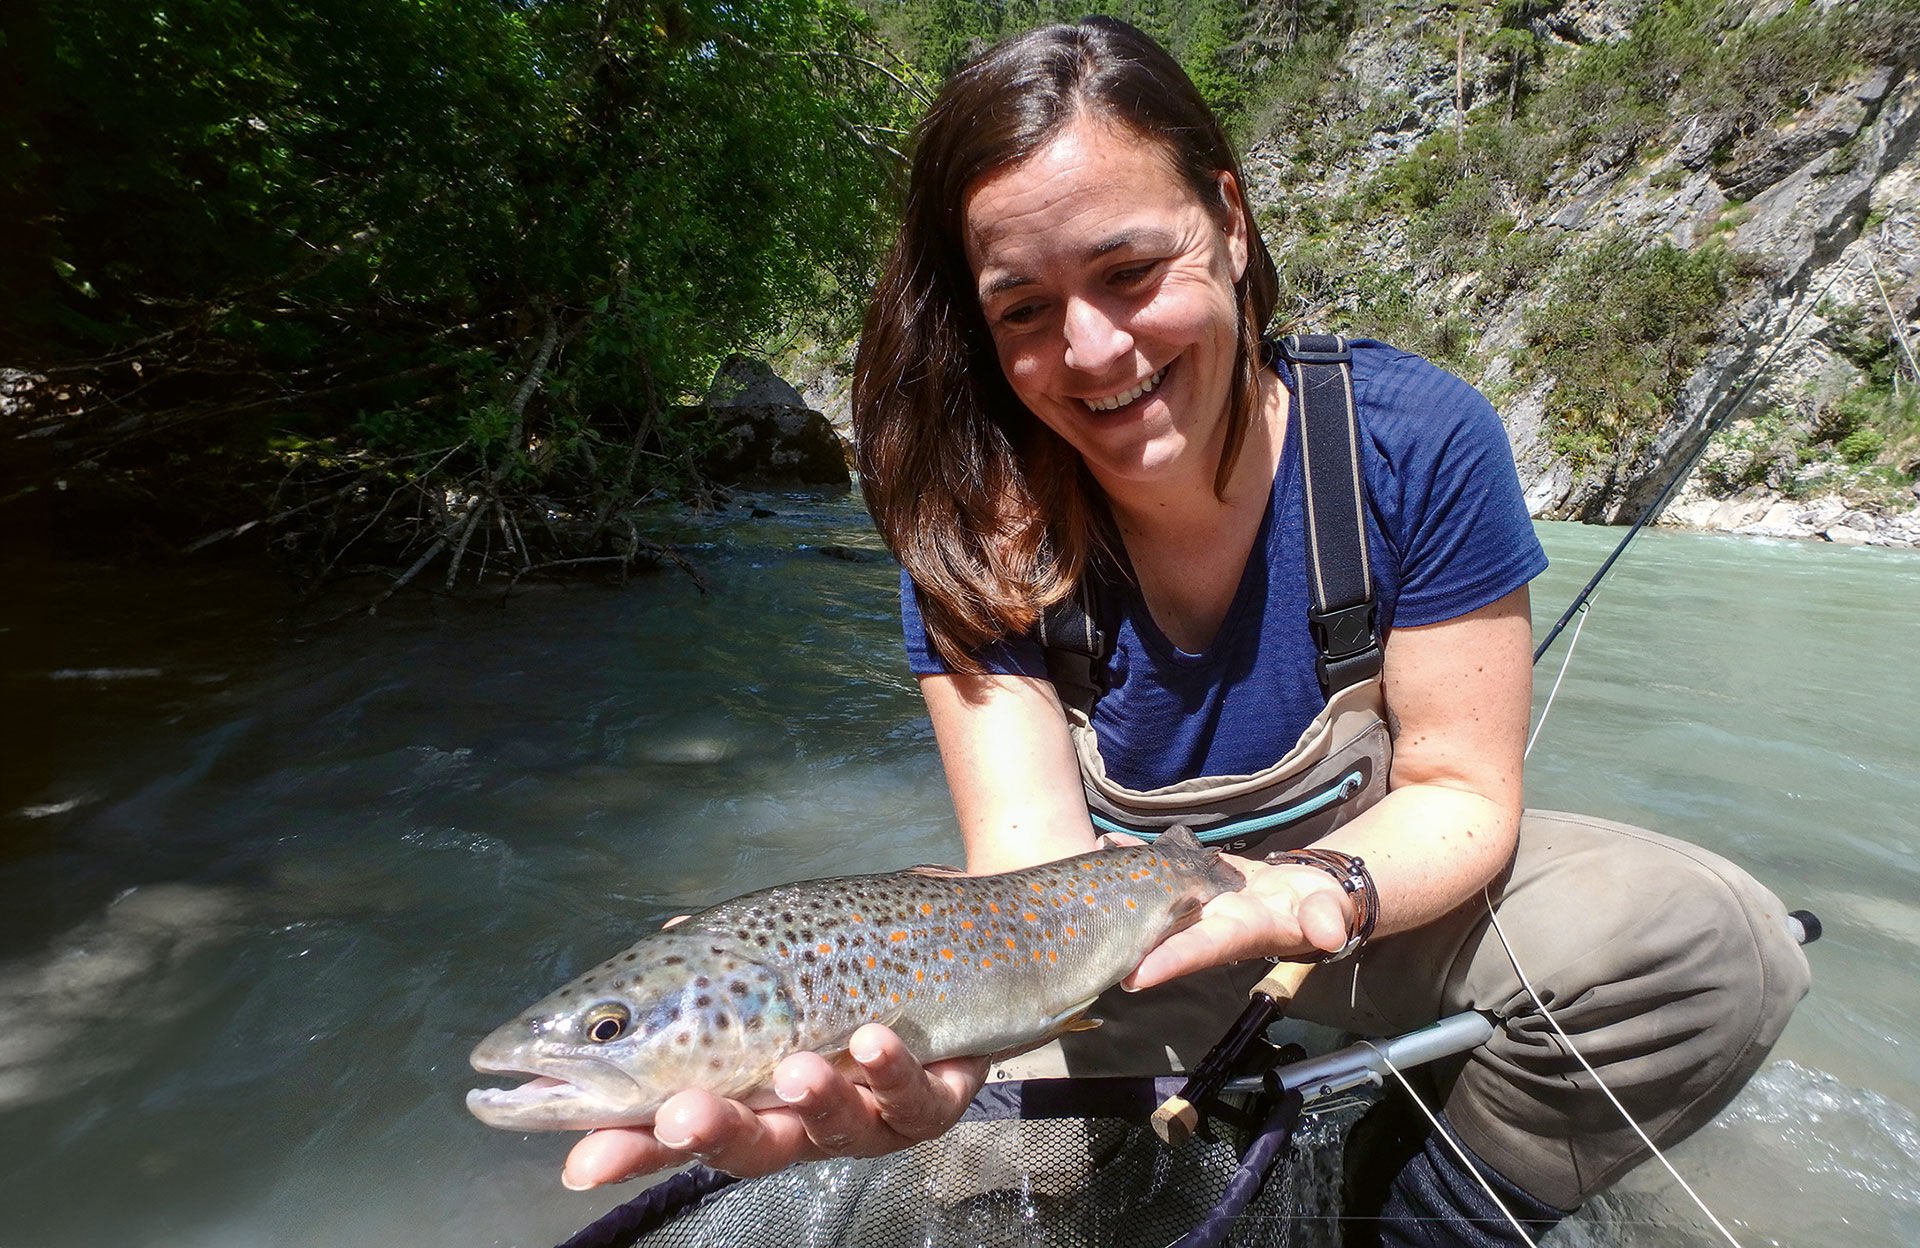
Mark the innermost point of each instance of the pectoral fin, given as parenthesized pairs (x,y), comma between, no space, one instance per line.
(1071,1019)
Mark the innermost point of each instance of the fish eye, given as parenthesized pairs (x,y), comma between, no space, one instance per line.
(607,1023)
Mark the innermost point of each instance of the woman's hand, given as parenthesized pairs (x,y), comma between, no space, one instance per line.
(1285,911)
(824,1114)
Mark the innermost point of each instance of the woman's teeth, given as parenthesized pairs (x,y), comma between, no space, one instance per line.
(1115,401)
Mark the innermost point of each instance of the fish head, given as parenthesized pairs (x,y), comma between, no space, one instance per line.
(676,1011)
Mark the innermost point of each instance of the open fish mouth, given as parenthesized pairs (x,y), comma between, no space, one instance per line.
(548,1102)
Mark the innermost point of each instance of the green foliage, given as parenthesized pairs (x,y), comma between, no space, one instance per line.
(1621,327)
(1227,47)
(516,235)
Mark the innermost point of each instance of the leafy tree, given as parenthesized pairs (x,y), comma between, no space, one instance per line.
(464,250)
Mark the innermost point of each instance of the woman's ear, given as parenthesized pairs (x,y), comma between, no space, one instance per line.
(1234,206)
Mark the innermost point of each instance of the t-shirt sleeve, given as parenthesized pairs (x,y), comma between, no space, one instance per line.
(1454,513)
(1020,656)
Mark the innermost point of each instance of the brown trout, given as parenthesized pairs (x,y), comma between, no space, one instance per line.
(957,965)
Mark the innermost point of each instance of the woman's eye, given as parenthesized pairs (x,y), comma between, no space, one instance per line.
(1020,314)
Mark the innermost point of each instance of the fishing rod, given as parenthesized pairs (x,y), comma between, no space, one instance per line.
(1675,478)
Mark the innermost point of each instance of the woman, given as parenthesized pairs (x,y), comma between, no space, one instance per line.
(1062,384)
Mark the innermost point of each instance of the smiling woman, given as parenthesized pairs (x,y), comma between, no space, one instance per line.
(1294,575)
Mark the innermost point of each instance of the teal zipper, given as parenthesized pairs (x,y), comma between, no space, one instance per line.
(1265,821)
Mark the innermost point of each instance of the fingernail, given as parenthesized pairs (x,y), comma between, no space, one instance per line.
(790,1096)
(866,1055)
(575,1185)
(678,1145)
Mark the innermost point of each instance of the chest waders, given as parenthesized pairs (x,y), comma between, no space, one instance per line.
(1338,767)
(1675,968)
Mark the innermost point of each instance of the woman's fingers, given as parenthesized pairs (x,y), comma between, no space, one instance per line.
(823,1114)
(614,1154)
(916,1102)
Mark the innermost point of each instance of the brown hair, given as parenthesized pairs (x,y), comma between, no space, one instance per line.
(992,513)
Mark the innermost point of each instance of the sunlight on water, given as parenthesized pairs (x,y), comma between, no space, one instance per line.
(353,851)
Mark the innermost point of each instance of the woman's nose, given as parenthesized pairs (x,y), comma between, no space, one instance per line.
(1095,338)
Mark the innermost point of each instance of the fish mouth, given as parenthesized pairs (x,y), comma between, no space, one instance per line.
(557,1094)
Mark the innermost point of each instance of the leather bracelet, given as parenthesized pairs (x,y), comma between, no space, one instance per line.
(1352,875)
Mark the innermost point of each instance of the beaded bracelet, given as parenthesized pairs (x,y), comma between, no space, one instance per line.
(1353,877)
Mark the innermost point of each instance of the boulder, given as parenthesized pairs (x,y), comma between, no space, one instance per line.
(769,437)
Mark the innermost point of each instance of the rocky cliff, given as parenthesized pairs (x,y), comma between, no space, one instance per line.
(1456,172)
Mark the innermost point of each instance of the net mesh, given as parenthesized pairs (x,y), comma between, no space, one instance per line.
(1101,1181)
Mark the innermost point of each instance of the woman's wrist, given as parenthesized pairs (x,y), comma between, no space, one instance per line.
(1358,895)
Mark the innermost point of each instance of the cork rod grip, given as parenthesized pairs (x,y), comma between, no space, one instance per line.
(1179,1116)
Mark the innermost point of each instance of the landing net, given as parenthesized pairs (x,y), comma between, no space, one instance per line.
(1055,1163)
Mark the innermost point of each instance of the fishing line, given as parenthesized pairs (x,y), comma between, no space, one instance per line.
(1580,605)
(1565,662)
(1458,1150)
(1598,1081)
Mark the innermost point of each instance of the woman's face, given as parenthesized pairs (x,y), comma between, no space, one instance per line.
(1108,287)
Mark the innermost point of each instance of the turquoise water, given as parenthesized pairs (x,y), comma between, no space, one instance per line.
(352,850)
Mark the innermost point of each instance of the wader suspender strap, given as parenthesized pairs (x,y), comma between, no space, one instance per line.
(1342,615)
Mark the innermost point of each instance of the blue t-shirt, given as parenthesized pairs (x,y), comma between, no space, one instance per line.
(1449,533)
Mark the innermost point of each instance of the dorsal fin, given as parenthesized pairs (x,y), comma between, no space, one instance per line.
(1181,837)
(939,869)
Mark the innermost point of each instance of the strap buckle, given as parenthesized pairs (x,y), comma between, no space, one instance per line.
(1349,646)
(1294,348)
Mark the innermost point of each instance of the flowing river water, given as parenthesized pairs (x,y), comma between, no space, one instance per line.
(265,885)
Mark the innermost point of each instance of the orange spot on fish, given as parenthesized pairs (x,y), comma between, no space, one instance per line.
(994,906)
(896,998)
(926,907)
(825,947)
(1010,943)
(891,936)
(1069,933)
(1031,917)
(1132,904)
(947,954)
(872,961)
(919,976)
(1088,899)
(1035,886)
(1053,957)
(967,924)
(1086,866)
(986,962)
(856,918)
(852,991)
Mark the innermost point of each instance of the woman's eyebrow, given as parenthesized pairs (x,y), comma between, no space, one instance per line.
(1138,240)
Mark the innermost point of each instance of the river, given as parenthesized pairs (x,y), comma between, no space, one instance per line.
(351,850)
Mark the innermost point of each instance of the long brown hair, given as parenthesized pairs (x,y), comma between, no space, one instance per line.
(992,513)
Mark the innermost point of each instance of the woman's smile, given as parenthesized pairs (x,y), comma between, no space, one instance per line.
(1117,401)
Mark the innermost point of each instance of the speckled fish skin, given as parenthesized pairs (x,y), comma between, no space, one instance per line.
(957,965)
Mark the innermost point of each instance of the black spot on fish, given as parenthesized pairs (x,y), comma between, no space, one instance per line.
(753,1023)
(701,981)
(630,957)
(673,959)
(702,1001)
(673,1014)
(761,940)
(722,1021)
(737,988)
